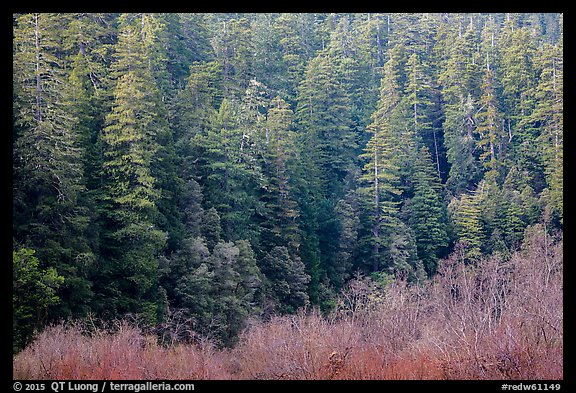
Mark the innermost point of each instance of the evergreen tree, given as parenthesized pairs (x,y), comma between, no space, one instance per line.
(132,243)
(322,111)
(518,80)
(49,212)
(216,289)
(267,56)
(465,213)
(521,206)
(286,280)
(281,225)
(233,48)
(33,292)
(459,92)
(298,41)
(357,73)
(427,215)
(328,145)
(192,281)
(229,311)
(401,252)
(230,172)
(422,97)
(549,114)
(195,37)
(347,211)
(518,74)
(195,113)
(223,167)
(489,129)
(210,228)
(157,32)
(380,176)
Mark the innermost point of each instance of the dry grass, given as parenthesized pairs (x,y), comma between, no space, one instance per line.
(493,320)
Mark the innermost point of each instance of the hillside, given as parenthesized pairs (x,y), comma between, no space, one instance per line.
(232,172)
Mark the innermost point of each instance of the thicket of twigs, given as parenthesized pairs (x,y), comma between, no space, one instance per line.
(500,318)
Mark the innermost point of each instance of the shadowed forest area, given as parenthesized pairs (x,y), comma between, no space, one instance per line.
(287,195)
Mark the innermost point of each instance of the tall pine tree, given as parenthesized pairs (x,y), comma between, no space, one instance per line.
(131,241)
(50,215)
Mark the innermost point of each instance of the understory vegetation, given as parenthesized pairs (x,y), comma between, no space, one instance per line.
(500,318)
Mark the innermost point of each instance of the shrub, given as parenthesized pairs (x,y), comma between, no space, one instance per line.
(67,352)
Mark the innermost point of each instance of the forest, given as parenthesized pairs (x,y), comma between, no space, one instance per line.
(226,178)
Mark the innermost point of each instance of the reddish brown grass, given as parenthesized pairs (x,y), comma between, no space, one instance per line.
(64,352)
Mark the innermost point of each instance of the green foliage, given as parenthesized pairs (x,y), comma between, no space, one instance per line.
(465,212)
(427,213)
(33,292)
(279,225)
(132,242)
(489,128)
(233,48)
(50,153)
(210,227)
(380,176)
(216,289)
(322,111)
(286,280)
(548,114)
(460,85)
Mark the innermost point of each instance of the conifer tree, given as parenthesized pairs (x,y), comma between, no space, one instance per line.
(133,243)
(328,146)
(380,173)
(422,97)
(196,107)
(298,41)
(221,167)
(229,311)
(466,212)
(279,157)
(192,279)
(521,208)
(286,279)
(233,48)
(489,128)
(459,91)
(47,152)
(322,112)
(549,114)
(50,214)
(34,290)
(210,228)
(427,216)
(518,80)
(230,170)
(518,73)
(195,37)
(347,211)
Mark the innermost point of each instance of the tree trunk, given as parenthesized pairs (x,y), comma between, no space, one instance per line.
(376,228)
(38,79)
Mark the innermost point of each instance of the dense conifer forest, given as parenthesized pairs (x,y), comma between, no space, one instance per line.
(225,171)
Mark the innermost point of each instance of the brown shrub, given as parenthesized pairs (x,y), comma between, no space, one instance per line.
(66,352)
(293,347)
